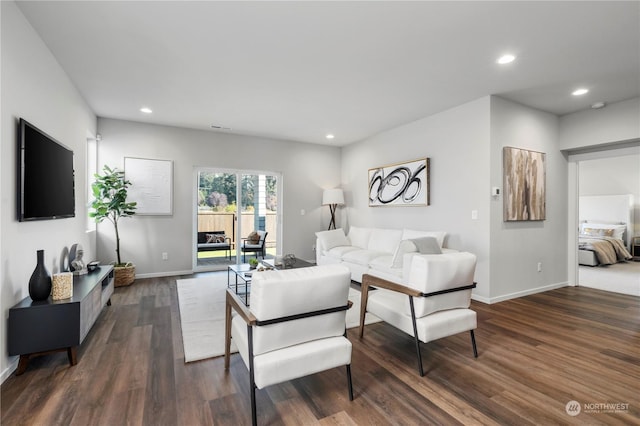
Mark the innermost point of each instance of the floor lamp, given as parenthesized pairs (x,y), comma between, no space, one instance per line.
(331,198)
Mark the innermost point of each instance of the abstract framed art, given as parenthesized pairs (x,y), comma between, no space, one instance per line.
(402,184)
(524,184)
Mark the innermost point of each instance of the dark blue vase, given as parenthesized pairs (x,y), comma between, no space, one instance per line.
(40,281)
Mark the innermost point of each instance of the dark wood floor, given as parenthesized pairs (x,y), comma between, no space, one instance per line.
(536,354)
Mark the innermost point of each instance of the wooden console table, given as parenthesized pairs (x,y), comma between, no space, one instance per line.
(39,328)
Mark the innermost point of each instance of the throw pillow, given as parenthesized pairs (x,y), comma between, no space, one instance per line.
(405,246)
(333,238)
(254,237)
(597,232)
(215,238)
(427,245)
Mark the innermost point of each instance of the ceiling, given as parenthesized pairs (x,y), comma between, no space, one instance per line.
(299,70)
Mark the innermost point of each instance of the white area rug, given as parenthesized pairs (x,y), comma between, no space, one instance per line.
(201,302)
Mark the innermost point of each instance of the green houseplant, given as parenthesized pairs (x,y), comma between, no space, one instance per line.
(110,193)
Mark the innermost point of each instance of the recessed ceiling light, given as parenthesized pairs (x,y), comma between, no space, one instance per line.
(146,110)
(506,59)
(598,105)
(330,136)
(580,92)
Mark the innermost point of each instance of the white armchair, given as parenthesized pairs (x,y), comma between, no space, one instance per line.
(294,326)
(434,304)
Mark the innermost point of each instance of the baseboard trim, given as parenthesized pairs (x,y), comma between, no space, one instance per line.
(518,294)
(9,370)
(164,274)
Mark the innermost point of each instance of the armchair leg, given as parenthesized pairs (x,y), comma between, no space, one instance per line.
(364,298)
(252,383)
(473,343)
(415,335)
(349,382)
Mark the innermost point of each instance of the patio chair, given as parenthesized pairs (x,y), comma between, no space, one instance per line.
(256,248)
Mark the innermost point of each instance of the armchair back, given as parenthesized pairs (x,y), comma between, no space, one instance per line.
(276,294)
(436,272)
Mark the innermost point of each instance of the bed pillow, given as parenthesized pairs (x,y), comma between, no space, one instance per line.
(616,231)
(333,238)
(597,232)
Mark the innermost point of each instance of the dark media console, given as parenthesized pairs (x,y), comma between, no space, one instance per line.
(39,328)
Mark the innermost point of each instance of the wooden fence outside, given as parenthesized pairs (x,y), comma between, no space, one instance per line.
(225,221)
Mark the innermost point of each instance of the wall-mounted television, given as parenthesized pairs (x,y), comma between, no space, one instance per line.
(45,176)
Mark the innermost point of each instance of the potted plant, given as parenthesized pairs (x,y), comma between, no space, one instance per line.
(110,192)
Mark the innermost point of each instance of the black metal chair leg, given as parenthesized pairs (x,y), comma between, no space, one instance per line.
(349,382)
(473,342)
(252,383)
(415,335)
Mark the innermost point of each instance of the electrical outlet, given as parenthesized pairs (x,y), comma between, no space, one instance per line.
(165,256)
(539,266)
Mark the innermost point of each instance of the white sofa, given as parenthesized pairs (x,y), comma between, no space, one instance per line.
(385,253)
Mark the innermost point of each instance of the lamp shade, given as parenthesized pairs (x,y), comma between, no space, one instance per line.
(332,196)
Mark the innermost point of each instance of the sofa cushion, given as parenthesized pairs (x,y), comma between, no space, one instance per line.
(214,245)
(362,257)
(381,262)
(393,307)
(359,237)
(383,268)
(340,251)
(410,234)
(332,238)
(385,240)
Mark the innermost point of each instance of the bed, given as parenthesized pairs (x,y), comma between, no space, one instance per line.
(606,229)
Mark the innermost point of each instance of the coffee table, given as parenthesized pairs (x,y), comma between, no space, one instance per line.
(243,273)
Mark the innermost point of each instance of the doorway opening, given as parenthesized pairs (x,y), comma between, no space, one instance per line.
(606,172)
(230,205)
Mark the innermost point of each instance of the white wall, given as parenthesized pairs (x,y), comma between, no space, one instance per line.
(465,147)
(517,247)
(585,135)
(612,176)
(36,88)
(457,143)
(616,122)
(306,170)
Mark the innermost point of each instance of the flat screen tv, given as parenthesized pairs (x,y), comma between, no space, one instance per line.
(45,176)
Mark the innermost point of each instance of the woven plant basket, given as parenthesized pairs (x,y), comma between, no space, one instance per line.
(124,275)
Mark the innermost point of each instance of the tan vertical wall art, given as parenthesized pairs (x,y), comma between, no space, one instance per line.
(524,184)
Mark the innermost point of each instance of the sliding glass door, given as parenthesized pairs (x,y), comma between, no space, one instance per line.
(231,204)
